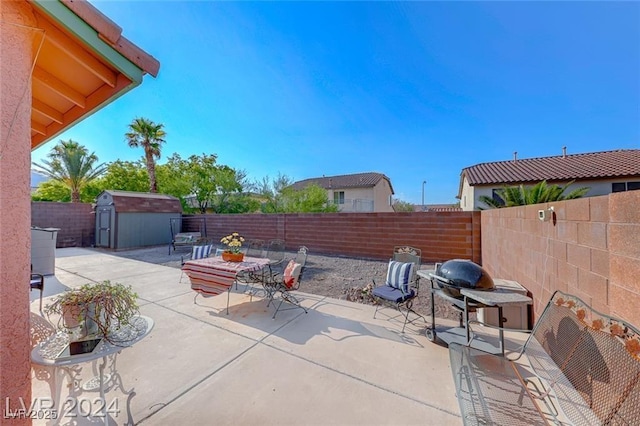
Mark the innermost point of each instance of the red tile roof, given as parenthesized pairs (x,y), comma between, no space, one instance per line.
(111,33)
(592,165)
(357,180)
(438,208)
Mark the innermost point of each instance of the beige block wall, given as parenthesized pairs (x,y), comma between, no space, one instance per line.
(17,39)
(592,250)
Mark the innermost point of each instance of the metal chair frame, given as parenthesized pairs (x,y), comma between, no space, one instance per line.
(254,248)
(275,252)
(37,283)
(274,283)
(404,254)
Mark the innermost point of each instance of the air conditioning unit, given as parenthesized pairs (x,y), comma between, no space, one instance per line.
(516,316)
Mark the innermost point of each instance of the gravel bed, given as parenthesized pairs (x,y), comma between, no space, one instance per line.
(333,276)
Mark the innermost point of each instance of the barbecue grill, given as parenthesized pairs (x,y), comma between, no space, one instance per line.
(447,281)
(455,274)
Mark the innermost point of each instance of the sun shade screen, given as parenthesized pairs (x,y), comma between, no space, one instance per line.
(399,275)
(200,252)
(291,273)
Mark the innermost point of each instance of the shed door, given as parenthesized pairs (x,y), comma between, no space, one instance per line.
(103,233)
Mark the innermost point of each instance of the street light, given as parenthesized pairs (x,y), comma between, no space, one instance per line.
(423,183)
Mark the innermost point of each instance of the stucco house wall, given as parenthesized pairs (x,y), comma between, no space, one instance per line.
(468,200)
(17,36)
(381,196)
(25,126)
(473,193)
(378,195)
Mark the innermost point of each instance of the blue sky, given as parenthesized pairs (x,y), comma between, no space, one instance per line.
(414,90)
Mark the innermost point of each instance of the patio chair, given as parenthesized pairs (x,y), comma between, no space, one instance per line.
(37,283)
(285,284)
(184,239)
(275,254)
(402,283)
(197,252)
(301,256)
(254,248)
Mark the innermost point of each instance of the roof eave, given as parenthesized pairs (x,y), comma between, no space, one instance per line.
(101,36)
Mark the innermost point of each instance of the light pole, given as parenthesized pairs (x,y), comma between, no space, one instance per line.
(423,183)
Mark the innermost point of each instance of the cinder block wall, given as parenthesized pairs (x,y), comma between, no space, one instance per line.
(592,250)
(440,235)
(77,222)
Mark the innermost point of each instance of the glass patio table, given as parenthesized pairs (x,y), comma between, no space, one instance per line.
(47,355)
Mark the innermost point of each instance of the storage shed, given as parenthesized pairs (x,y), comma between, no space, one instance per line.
(127,219)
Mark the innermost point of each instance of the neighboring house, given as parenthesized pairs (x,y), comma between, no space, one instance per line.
(603,172)
(360,192)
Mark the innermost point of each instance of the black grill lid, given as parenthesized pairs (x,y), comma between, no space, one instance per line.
(460,273)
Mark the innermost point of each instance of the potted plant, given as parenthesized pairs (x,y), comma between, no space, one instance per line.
(232,252)
(95,309)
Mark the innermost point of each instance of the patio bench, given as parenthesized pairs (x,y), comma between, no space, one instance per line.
(185,239)
(577,367)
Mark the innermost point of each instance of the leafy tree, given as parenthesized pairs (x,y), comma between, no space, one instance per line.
(539,193)
(150,136)
(202,185)
(52,190)
(271,190)
(311,199)
(281,197)
(71,165)
(402,206)
(192,180)
(202,173)
(172,179)
(125,176)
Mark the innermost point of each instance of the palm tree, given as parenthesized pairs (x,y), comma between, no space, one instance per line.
(150,136)
(71,164)
(539,193)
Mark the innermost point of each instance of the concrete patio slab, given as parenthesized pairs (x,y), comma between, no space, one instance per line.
(333,365)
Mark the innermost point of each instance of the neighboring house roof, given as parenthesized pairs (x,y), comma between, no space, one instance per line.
(137,202)
(357,180)
(82,63)
(437,208)
(591,165)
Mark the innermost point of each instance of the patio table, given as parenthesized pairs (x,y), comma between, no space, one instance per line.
(46,354)
(213,275)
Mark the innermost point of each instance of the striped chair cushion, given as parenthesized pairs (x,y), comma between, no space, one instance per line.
(399,275)
(200,252)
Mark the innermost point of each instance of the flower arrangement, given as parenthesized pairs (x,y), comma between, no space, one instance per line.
(233,242)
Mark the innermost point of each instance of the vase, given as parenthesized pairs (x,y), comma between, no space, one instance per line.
(82,318)
(230,256)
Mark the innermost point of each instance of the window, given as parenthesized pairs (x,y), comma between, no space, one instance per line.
(618,187)
(496,197)
(633,186)
(338,197)
(625,186)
